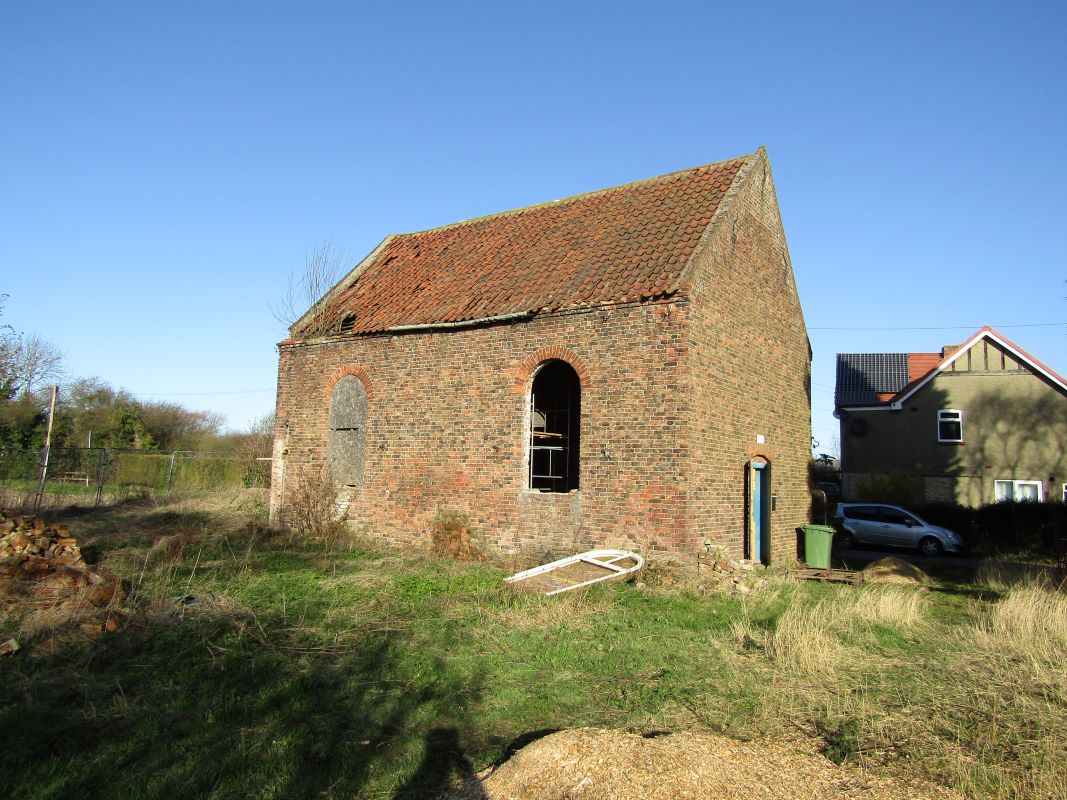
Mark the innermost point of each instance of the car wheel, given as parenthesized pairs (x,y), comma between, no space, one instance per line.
(845,540)
(929,546)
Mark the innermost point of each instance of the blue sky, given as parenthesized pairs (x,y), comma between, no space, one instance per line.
(166,165)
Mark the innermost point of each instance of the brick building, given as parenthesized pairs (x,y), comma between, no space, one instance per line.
(628,367)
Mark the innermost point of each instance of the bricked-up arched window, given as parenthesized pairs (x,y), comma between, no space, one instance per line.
(555,427)
(347,443)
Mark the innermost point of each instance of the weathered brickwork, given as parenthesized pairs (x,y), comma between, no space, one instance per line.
(673,395)
(447,428)
(751,372)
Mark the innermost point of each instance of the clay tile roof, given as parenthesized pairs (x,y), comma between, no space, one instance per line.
(625,243)
(920,365)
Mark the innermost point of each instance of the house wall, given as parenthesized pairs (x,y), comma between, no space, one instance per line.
(750,372)
(447,429)
(1014,428)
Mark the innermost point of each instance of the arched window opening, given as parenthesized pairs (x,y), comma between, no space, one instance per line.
(347,443)
(555,428)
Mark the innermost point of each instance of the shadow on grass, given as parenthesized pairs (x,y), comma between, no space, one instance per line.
(443,763)
(212,708)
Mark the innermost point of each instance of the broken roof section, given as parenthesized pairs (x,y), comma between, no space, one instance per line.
(627,243)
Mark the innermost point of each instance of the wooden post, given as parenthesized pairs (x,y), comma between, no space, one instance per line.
(47,449)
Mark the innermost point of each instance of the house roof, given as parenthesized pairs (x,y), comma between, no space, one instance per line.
(862,377)
(625,243)
(888,379)
(995,336)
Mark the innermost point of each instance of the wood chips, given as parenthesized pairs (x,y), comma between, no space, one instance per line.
(595,764)
(895,570)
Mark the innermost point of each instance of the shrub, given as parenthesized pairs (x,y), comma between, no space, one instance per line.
(450,536)
(311,509)
(1021,528)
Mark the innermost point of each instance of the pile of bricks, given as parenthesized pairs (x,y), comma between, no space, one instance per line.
(30,546)
(42,565)
(737,574)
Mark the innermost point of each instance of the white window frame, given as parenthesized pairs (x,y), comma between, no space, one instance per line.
(1065,492)
(946,415)
(1015,489)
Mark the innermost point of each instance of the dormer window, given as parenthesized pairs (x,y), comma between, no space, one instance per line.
(950,426)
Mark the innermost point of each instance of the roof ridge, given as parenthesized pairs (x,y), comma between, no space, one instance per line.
(878,353)
(581,196)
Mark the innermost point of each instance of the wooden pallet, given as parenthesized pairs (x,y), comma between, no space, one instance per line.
(827,575)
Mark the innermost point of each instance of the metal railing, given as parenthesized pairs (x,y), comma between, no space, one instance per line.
(90,477)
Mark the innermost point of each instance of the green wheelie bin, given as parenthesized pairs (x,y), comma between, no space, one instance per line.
(817,542)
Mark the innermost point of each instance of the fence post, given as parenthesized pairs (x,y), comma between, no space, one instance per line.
(47,450)
(170,470)
(101,474)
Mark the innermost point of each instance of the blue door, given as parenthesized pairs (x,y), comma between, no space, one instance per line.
(760,513)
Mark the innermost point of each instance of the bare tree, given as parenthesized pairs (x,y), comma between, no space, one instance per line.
(9,343)
(26,361)
(39,361)
(253,447)
(322,269)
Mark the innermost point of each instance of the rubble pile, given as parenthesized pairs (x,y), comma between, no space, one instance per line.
(42,565)
(27,543)
(716,571)
(738,575)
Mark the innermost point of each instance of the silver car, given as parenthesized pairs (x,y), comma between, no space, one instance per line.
(883,525)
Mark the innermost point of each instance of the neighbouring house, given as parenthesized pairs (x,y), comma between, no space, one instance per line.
(976,423)
(628,367)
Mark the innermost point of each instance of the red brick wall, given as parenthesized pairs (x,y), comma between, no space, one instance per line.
(446,430)
(751,371)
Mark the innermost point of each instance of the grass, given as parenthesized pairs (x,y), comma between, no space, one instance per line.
(258,666)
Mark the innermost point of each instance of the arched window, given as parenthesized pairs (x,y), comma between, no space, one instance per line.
(555,427)
(347,443)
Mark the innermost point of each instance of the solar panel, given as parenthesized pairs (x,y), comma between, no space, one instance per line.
(861,377)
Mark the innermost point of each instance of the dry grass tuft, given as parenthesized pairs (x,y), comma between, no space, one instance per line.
(809,637)
(45,622)
(1004,575)
(805,639)
(891,605)
(1029,623)
(525,612)
(169,547)
(748,636)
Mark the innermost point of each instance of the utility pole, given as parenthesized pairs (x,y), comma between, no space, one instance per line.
(47,449)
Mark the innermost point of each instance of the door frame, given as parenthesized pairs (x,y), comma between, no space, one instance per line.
(758,511)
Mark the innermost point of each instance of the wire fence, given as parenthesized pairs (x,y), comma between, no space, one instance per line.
(101,476)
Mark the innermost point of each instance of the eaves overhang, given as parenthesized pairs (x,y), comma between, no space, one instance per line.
(896,405)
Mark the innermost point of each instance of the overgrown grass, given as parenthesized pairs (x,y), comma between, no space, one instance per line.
(256,666)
